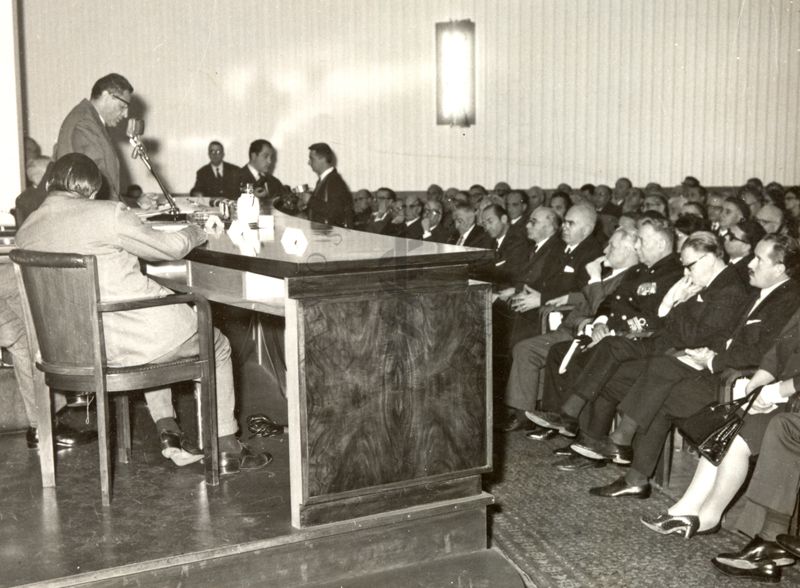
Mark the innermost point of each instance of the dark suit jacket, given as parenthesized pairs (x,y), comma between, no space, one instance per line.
(29,200)
(706,320)
(84,132)
(414,230)
(572,276)
(476,238)
(782,360)
(519,227)
(510,260)
(272,184)
(228,186)
(362,220)
(639,295)
(543,263)
(331,203)
(386,227)
(439,234)
(756,333)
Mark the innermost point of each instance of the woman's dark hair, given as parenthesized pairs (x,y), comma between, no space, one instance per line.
(75,173)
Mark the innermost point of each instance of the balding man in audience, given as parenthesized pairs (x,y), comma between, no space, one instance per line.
(218,178)
(621,188)
(433,228)
(609,295)
(668,388)
(434,192)
(704,306)
(516,202)
(536,198)
(412,210)
(770,217)
(469,234)
(580,248)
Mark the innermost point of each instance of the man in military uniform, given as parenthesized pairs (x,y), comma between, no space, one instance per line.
(636,295)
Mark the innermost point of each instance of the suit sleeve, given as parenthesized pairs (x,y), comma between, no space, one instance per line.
(151,245)
(708,323)
(84,141)
(754,340)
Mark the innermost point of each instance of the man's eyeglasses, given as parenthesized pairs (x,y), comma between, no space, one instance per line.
(125,102)
(731,237)
(688,266)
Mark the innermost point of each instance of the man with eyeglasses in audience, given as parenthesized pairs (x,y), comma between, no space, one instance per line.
(381,221)
(432,227)
(770,217)
(84,130)
(739,243)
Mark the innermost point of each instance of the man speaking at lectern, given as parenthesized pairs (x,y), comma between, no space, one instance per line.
(84,130)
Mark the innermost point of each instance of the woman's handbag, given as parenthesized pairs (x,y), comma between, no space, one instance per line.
(712,429)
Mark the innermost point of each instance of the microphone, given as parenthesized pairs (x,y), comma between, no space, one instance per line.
(135,128)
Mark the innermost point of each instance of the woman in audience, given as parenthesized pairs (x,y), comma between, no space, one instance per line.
(560,202)
(700,509)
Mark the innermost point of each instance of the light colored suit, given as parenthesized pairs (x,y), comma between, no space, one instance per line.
(118,238)
(83,131)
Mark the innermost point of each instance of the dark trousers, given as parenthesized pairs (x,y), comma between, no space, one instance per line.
(777,475)
(606,357)
(685,398)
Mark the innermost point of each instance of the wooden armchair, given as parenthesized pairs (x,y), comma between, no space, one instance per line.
(64,318)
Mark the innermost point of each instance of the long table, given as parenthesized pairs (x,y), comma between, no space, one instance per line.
(388,352)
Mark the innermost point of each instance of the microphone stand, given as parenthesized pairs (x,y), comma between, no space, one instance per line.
(173,213)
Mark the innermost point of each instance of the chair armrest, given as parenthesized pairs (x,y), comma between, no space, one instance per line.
(727,379)
(135,304)
(546,310)
(203,308)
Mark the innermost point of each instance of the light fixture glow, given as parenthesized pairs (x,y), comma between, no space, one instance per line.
(455,53)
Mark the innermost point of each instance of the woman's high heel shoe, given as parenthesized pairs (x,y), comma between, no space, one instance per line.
(666,524)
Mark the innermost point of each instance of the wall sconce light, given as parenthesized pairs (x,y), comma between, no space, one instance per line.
(455,73)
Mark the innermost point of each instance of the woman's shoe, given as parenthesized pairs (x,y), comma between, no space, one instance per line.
(710,531)
(666,524)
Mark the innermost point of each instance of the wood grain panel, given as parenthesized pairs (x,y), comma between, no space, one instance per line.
(395,388)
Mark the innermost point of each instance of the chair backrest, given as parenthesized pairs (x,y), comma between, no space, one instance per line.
(62,294)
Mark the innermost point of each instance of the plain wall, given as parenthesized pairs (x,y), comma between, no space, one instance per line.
(567,90)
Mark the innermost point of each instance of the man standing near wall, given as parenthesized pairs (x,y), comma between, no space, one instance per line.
(85,129)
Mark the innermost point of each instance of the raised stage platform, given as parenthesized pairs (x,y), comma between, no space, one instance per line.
(165,527)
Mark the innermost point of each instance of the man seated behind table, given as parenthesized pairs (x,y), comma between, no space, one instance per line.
(383,219)
(580,247)
(433,229)
(623,304)
(361,208)
(70,220)
(258,171)
(469,234)
(218,178)
(702,306)
(412,211)
(516,203)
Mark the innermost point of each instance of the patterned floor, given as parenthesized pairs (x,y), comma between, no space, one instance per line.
(560,536)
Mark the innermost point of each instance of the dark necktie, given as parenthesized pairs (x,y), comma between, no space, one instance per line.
(217,173)
(605,271)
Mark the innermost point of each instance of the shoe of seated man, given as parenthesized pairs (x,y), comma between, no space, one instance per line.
(564,424)
(244,460)
(177,447)
(64,436)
